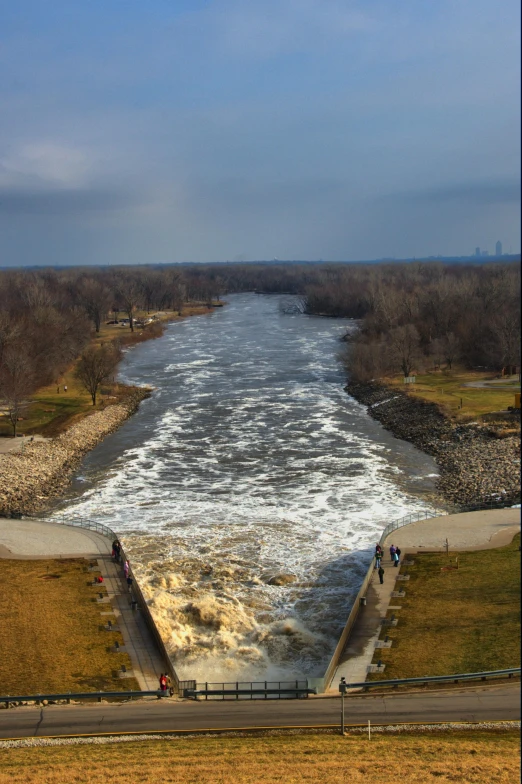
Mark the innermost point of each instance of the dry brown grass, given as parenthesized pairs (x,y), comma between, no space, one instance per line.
(470,758)
(51,636)
(463,620)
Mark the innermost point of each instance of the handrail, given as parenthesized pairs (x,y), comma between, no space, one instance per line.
(466,676)
(89,695)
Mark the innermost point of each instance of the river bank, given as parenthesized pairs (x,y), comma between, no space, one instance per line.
(477,463)
(30,479)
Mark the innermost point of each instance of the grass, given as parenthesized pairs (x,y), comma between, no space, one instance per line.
(52,637)
(463,620)
(50,412)
(470,758)
(447,389)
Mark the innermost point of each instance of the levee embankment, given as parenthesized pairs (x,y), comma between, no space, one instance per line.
(476,463)
(30,479)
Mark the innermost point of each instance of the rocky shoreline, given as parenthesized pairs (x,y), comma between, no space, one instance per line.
(477,463)
(29,480)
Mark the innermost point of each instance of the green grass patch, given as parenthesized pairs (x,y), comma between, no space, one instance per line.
(50,412)
(51,636)
(447,389)
(462,620)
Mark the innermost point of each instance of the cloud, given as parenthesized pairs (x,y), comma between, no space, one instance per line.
(485,192)
(65,201)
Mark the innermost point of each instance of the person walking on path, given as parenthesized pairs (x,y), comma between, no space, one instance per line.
(163,682)
(398,551)
(378,557)
(392,551)
(126,569)
(168,681)
(381,575)
(395,559)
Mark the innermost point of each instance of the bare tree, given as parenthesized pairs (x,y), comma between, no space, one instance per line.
(95,298)
(450,345)
(404,347)
(16,382)
(129,294)
(95,366)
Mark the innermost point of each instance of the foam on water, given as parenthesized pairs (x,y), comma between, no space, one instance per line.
(249,489)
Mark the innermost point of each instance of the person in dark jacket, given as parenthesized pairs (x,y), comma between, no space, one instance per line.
(381,575)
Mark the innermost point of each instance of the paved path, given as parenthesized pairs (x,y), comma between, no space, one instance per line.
(488,703)
(146,660)
(33,538)
(18,444)
(467,531)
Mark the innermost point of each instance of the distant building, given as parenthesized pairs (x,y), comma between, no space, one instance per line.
(477,251)
(485,253)
(498,249)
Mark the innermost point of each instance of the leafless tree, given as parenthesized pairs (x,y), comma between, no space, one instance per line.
(95,366)
(95,298)
(16,383)
(404,347)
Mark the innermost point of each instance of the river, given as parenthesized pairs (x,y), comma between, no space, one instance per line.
(249,489)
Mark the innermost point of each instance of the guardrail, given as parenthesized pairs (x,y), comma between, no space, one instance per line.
(81,522)
(251,690)
(89,695)
(466,676)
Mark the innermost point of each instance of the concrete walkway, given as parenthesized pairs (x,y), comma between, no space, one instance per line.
(33,539)
(147,661)
(467,531)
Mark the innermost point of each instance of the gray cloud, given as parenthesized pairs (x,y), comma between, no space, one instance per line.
(15,201)
(487,192)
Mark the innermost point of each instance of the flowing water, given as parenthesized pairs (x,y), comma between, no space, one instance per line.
(250,489)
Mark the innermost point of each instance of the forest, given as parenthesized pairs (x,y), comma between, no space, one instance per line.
(409,314)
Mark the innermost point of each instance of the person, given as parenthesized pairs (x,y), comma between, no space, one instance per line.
(126,569)
(129,583)
(100,578)
(169,684)
(395,559)
(398,551)
(162,682)
(392,551)
(381,575)
(378,557)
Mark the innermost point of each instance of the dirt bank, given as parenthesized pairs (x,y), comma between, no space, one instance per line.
(475,463)
(29,480)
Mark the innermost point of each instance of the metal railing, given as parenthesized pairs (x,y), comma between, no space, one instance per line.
(80,522)
(89,695)
(466,676)
(251,690)
(407,519)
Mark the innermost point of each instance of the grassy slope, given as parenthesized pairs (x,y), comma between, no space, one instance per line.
(51,412)
(446,388)
(52,637)
(465,620)
(470,758)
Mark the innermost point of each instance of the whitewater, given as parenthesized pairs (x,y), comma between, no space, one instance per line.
(250,489)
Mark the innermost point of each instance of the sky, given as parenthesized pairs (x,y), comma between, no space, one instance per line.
(168,130)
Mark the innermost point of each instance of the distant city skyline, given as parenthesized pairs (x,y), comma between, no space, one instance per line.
(200,130)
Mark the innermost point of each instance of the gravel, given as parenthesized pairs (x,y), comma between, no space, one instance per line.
(30,479)
(476,464)
(382,729)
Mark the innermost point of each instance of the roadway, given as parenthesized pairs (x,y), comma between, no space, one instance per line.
(486,703)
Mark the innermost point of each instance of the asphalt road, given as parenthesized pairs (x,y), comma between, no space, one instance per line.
(486,703)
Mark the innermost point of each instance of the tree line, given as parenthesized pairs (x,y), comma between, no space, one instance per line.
(410,314)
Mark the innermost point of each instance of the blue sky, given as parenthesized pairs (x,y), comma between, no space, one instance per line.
(237,129)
